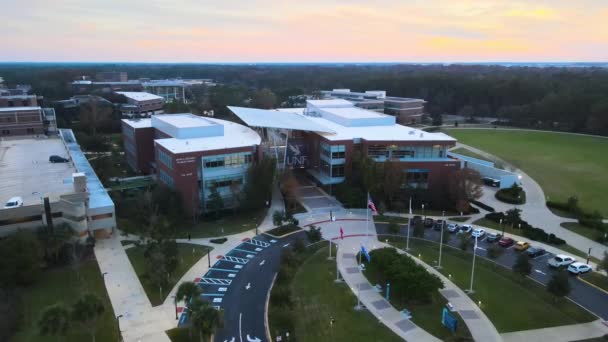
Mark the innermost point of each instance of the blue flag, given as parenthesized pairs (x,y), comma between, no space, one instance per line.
(365,254)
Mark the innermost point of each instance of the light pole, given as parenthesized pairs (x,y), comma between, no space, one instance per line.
(209,257)
(441,239)
(388,291)
(502,228)
(407,239)
(175,302)
(423,211)
(118,325)
(473,267)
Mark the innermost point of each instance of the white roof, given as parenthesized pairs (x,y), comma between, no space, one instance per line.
(184,120)
(235,135)
(17,109)
(277,119)
(330,103)
(138,123)
(354,113)
(139,95)
(186,126)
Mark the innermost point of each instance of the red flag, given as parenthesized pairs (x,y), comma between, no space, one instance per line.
(372,206)
(341,233)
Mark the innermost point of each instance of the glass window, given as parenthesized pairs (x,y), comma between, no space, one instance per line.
(337,170)
(165,159)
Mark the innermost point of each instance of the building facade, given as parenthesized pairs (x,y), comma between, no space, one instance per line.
(18,121)
(141,104)
(193,155)
(406,110)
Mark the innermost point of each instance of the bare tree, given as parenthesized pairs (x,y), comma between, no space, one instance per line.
(464,185)
(93,113)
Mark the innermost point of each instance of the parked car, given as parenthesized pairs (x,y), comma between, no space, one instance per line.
(521,246)
(533,252)
(453,228)
(428,222)
(465,229)
(478,233)
(491,182)
(57,159)
(561,260)
(578,268)
(14,202)
(438,224)
(505,242)
(493,237)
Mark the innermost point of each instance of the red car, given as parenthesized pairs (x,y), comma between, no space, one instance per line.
(506,242)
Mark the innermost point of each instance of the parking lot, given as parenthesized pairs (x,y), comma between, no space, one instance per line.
(583,294)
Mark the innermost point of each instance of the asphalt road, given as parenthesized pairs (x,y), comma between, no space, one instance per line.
(239,284)
(583,294)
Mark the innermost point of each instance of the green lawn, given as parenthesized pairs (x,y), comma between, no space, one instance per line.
(585,231)
(389,219)
(226,225)
(597,279)
(459,218)
(426,316)
(317,298)
(469,153)
(189,254)
(512,303)
(563,164)
(62,285)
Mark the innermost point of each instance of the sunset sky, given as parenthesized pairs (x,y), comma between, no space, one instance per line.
(304,31)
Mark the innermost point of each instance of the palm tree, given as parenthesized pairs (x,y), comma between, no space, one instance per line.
(54,239)
(55,321)
(204,318)
(86,311)
(187,292)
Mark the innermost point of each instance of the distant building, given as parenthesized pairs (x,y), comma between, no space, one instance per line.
(192,155)
(406,110)
(141,104)
(173,89)
(21,101)
(84,86)
(19,121)
(111,76)
(52,193)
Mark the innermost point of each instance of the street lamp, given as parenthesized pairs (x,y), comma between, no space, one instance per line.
(423,211)
(118,325)
(502,228)
(473,267)
(175,302)
(441,239)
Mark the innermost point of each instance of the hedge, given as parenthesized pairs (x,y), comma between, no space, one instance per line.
(506,196)
(532,233)
(483,206)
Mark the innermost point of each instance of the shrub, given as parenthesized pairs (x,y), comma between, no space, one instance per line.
(495,251)
(512,195)
(219,240)
(278,217)
(464,242)
(483,206)
(314,234)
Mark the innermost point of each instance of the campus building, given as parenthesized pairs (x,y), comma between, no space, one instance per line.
(324,137)
(192,155)
(406,110)
(52,193)
(173,90)
(141,104)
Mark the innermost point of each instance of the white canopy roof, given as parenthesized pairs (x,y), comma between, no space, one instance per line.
(277,119)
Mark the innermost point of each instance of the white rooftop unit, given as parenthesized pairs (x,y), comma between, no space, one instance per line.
(187,126)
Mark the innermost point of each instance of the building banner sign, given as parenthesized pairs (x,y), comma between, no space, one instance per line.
(297,153)
(448,320)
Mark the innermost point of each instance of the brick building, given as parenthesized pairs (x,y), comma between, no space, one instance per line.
(141,104)
(192,155)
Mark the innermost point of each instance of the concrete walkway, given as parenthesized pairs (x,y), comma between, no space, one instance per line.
(565,333)
(536,213)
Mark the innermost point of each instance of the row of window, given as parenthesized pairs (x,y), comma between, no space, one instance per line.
(397,152)
(333,151)
(130,147)
(222,182)
(8,131)
(166,178)
(228,160)
(165,159)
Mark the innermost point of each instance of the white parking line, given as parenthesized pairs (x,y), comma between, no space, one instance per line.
(238,266)
(231,275)
(217,300)
(222,289)
(258,249)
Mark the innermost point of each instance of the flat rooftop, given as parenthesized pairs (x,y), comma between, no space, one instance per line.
(139,95)
(235,135)
(17,109)
(138,123)
(354,113)
(184,120)
(25,169)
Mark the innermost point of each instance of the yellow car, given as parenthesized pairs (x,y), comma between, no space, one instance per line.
(521,246)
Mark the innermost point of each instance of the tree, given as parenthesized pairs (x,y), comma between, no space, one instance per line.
(299,246)
(513,216)
(314,234)
(259,182)
(522,265)
(215,202)
(20,256)
(155,268)
(278,217)
(573,205)
(603,265)
(171,253)
(494,252)
(235,192)
(393,228)
(187,290)
(264,99)
(464,241)
(55,321)
(289,187)
(393,178)
(559,285)
(11,310)
(463,186)
(204,318)
(55,239)
(86,311)
(94,113)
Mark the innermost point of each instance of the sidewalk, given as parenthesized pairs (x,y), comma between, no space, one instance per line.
(565,333)
(373,301)
(480,326)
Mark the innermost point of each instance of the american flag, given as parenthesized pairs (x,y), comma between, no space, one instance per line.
(371,205)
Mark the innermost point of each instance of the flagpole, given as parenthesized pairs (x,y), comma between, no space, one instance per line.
(409,225)
(473,268)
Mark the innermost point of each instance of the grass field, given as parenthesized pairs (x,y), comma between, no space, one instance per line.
(469,153)
(317,299)
(62,285)
(504,296)
(585,231)
(227,225)
(189,254)
(597,279)
(563,164)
